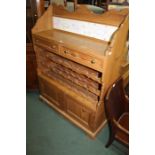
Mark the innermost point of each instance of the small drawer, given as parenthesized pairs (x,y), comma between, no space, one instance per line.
(81,58)
(48,45)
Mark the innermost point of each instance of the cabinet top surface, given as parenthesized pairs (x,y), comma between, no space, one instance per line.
(75,42)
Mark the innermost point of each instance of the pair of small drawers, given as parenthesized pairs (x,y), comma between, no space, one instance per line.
(76,56)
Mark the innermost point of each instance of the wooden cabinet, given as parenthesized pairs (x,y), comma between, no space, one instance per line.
(75,71)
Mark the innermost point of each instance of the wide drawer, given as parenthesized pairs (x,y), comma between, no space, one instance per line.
(81,58)
(51,46)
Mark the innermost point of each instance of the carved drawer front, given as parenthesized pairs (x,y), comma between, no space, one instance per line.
(77,111)
(51,92)
(82,58)
(51,46)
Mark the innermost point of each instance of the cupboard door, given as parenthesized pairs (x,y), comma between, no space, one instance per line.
(73,108)
(61,100)
(51,92)
(80,113)
(85,114)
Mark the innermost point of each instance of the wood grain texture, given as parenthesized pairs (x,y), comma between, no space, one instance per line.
(83,101)
(74,121)
(88,52)
(93,46)
(44,22)
(114,56)
(81,70)
(91,97)
(75,71)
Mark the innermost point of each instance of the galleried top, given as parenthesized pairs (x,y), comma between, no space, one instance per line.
(111,17)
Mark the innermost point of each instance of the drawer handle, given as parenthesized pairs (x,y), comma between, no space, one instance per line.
(72,54)
(93,61)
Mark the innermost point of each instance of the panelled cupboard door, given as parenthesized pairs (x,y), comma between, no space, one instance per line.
(52,93)
(77,111)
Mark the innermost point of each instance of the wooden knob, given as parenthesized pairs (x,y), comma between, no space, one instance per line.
(65,52)
(93,61)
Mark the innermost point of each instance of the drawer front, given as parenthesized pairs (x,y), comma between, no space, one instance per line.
(51,46)
(82,58)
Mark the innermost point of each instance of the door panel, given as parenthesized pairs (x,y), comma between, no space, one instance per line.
(51,92)
(78,111)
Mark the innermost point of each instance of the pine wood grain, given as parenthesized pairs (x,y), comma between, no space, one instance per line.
(71,58)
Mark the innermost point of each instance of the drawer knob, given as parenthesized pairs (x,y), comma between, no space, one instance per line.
(93,61)
(65,52)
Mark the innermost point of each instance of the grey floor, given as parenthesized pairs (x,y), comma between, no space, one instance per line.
(48,133)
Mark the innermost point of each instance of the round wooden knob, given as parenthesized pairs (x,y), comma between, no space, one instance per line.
(65,52)
(93,61)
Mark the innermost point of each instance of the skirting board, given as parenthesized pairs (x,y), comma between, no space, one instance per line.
(91,134)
